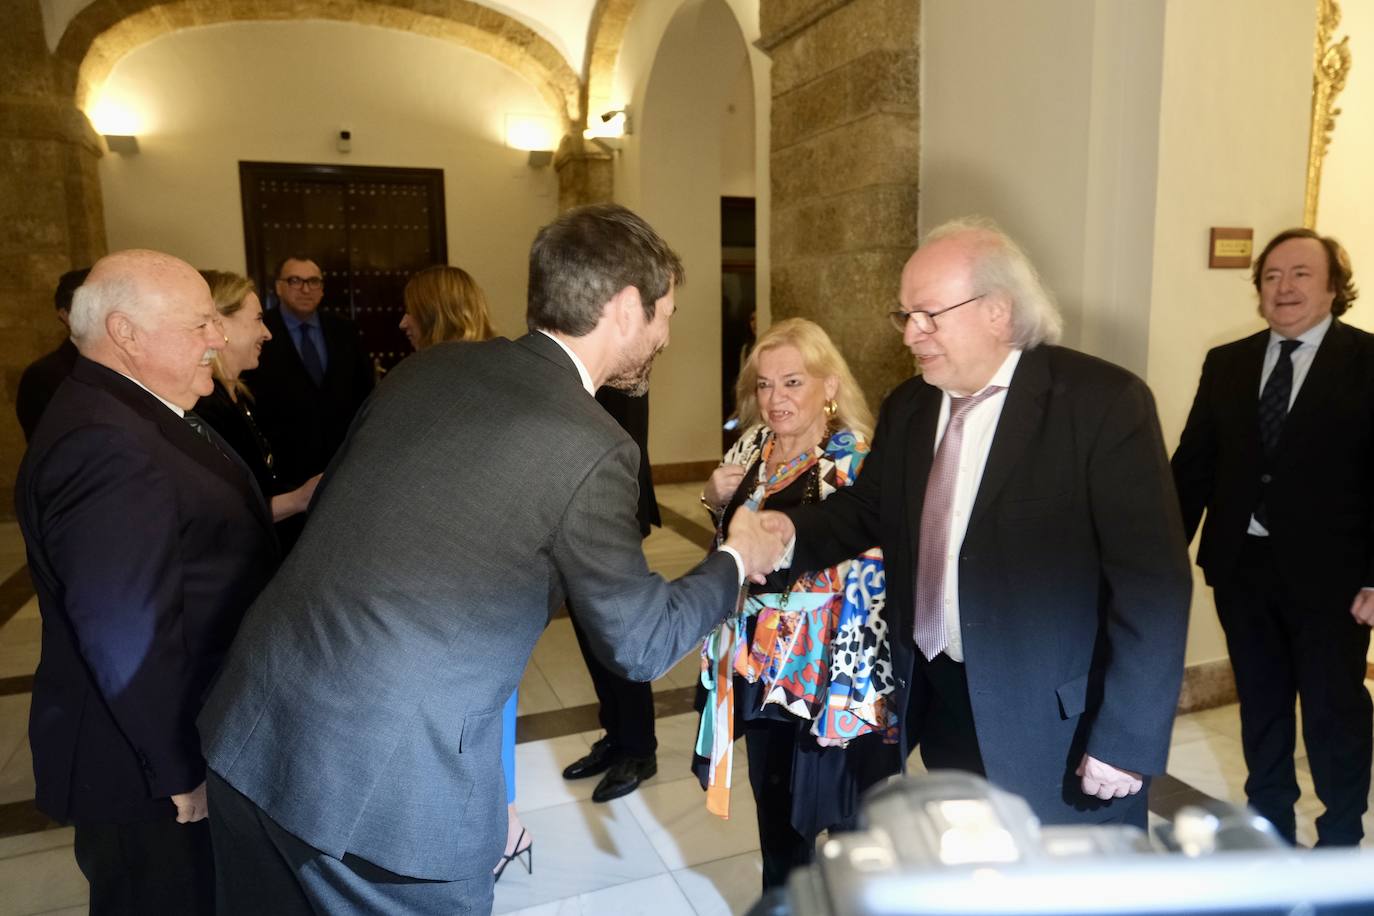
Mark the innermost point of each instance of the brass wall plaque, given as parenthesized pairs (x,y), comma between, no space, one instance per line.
(1230,247)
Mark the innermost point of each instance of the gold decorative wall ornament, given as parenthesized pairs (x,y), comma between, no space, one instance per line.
(1330,67)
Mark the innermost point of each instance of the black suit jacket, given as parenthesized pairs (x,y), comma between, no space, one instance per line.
(304,424)
(227,417)
(1320,496)
(361,705)
(632,413)
(145,545)
(1074,583)
(40,382)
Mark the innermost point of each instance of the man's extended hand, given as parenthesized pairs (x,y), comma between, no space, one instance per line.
(1362,608)
(779,524)
(759,547)
(1104,781)
(191,806)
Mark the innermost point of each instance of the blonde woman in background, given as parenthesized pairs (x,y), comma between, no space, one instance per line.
(229,407)
(445,303)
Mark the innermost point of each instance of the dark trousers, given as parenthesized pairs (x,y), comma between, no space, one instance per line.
(770,746)
(801,788)
(260,868)
(940,716)
(626,708)
(1288,644)
(147,867)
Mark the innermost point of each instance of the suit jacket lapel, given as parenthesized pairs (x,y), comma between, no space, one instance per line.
(1329,367)
(176,430)
(1020,421)
(280,350)
(920,454)
(1247,379)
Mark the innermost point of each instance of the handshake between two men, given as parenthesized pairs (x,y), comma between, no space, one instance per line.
(761,540)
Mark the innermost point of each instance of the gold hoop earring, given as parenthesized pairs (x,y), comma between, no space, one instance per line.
(831,408)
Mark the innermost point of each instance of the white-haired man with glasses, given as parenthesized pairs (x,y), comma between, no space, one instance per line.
(313,376)
(1038,581)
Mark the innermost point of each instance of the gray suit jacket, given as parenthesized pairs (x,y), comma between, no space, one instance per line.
(361,704)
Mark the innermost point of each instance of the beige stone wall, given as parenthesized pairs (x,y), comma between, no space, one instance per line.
(844,165)
(50,210)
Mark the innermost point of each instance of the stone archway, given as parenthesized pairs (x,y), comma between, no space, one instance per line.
(604,37)
(106,30)
(586,175)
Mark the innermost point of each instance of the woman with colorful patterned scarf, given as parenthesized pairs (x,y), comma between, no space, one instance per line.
(801,670)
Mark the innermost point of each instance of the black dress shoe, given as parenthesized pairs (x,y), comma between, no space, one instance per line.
(598,761)
(624,777)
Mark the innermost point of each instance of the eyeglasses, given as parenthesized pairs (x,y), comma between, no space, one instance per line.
(924,320)
(311,283)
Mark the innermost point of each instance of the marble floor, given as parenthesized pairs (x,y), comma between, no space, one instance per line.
(656,851)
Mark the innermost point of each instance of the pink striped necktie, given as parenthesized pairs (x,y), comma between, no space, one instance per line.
(930,634)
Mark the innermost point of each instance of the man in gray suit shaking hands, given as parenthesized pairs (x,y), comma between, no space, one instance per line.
(354,736)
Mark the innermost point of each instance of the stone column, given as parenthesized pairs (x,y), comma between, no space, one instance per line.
(586,174)
(51,219)
(845,164)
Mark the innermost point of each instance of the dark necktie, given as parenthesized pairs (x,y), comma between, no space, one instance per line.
(310,357)
(1273,410)
(202,429)
(1273,402)
(930,634)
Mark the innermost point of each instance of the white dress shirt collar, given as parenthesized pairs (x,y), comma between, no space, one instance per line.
(1001,378)
(180,412)
(1313,335)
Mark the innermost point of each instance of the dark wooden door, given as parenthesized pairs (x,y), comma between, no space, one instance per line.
(368,228)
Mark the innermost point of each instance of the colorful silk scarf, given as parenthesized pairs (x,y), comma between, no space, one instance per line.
(820,649)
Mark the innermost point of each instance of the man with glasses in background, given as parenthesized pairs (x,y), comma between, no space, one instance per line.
(313,376)
(1038,580)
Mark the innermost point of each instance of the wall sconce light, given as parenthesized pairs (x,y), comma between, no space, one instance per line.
(615,123)
(610,129)
(123,144)
(533,133)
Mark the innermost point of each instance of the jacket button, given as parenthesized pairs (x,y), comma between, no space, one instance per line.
(1266,478)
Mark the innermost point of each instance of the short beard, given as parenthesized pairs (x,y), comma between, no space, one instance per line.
(633,376)
(635,383)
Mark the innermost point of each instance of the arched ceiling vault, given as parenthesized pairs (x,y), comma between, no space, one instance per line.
(107,30)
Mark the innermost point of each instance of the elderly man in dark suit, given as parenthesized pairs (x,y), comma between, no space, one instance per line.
(1038,580)
(355,734)
(41,378)
(147,540)
(311,379)
(1279,451)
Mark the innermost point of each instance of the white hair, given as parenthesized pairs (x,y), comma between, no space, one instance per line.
(93,302)
(999,264)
